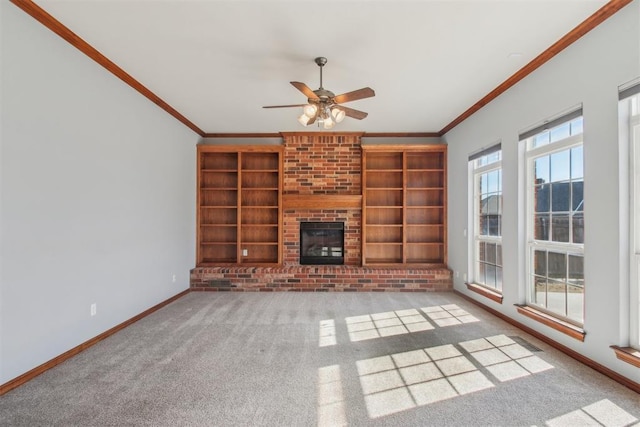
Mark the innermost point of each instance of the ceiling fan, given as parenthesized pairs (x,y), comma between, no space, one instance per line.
(324,106)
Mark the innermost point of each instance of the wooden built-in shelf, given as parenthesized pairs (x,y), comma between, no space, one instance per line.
(239,205)
(404,205)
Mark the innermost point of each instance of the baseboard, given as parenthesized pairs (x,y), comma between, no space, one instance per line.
(28,376)
(566,350)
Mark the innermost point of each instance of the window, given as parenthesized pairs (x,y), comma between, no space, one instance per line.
(555,218)
(630,130)
(486,218)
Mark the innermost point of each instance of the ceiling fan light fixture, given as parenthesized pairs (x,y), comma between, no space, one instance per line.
(310,110)
(328,123)
(304,120)
(337,114)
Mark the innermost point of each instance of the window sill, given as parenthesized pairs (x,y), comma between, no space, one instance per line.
(627,354)
(485,292)
(550,321)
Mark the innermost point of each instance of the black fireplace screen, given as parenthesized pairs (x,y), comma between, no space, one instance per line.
(321,243)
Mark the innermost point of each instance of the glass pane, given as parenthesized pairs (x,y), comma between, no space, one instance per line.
(541,227)
(482,253)
(560,166)
(577,196)
(541,198)
(560,132)
(494,225)
(493,181)
(498,254)
(577,166)
(576,270)
(541,167)
(483,183)
(491,253)
(576,126)
(557,297)
(481,161)
(578,227)
(483,225)
(499,278)
(541,139)
(540,263)
(491,275)
(491,204)
(575,303)
(557,266)
(500,180)
(540,286)
(481,274)
(560,196)
(560,227)
(494,157)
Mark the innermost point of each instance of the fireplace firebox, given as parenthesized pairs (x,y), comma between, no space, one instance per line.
(321,243)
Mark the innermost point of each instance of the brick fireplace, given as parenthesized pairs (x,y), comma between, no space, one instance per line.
(320,171)
(321,183)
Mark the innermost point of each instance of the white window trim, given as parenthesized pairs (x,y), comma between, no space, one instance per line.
(532,244)
(634,250)
(475,221)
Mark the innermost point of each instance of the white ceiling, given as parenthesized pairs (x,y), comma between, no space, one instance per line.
(219,62)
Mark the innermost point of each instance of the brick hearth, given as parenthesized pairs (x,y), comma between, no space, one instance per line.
(319,279)
(322,182)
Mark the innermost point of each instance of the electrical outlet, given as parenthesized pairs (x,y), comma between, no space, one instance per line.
(245,252)
(173,278)
(457,274)
(94,309)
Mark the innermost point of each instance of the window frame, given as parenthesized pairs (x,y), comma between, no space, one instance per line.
(567,248)
(634,219)
(476,237)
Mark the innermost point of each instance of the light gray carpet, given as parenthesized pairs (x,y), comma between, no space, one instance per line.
(305,359)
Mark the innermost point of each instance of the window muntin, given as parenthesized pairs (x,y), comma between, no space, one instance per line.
(487,220)
(555,221)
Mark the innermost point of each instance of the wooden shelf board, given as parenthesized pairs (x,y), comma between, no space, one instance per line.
(206,262)
(247,243)
(369,187)
(225,189)
(383,261)
(219,243)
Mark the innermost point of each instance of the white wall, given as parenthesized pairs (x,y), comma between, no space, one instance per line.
(97,198)
(588,72)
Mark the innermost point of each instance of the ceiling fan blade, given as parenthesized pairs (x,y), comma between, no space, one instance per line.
(304,89)
(284,106)
(365,92)
(311,121)
(356,114)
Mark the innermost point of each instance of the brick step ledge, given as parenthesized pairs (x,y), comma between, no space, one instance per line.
(425,278)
